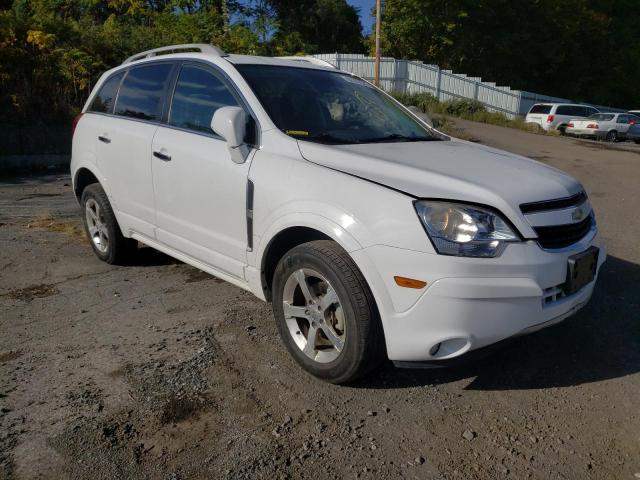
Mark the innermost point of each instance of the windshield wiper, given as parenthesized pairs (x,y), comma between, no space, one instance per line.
(327,138)
(395,137)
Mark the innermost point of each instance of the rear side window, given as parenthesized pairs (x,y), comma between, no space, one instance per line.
(141,93)
(602,117)
(623,119)
(198,94)
(104,100)
(540,109)
(572,111)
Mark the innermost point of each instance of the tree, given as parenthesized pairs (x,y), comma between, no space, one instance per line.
(323,25)
(585,50)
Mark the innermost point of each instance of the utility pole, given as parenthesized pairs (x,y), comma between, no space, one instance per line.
(376,79)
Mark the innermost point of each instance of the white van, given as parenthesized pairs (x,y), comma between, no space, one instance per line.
(373,235)
(556,116)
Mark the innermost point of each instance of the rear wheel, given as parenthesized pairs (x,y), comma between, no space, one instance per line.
(326,314)
(612,136)
(102,229)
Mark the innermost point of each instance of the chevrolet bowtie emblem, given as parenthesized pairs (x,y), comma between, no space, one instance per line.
(578,214)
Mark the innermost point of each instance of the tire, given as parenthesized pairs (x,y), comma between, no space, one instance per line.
(349,340)
(102,229)
(562,129)
(612,136)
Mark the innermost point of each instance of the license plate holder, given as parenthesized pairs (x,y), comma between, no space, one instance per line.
(581,270)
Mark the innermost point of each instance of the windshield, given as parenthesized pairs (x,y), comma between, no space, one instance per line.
(330,107)
(603,117)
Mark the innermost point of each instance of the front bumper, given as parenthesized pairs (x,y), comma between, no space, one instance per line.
(469,303)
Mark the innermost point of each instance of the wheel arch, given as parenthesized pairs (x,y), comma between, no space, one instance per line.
(279,245)
(293,230)
(82,179)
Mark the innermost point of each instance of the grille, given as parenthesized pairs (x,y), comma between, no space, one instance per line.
(555,204)
(560,236)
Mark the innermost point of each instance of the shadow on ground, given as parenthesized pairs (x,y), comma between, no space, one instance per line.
(600,342)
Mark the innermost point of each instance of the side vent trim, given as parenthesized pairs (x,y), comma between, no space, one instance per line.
(250,188)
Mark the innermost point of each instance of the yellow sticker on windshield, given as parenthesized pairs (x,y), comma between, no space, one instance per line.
(298,132)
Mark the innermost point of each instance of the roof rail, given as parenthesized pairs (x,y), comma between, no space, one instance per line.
(198,47)
(309,59)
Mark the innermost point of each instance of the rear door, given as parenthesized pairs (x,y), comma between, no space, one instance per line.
(200,193)
(86,140)
(538,114)
(125,144)
(564,113)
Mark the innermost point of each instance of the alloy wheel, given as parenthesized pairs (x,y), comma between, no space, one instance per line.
(314,315)
(96,226)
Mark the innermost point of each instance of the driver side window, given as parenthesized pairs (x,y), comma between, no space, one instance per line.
(197,95)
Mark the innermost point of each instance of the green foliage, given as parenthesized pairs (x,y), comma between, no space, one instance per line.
(324,25)
(53,51)
(586,50)
(424,101)
(462,107)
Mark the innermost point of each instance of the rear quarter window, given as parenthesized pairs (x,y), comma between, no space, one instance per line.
(540,109)
(142,92)
(106,96)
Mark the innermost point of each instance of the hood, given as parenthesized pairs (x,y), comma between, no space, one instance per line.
(454,170)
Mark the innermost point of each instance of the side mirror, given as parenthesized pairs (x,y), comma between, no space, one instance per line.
(231,123)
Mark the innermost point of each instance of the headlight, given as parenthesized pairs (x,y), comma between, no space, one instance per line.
(465,230)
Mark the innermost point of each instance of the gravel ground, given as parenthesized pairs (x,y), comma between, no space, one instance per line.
(157,370)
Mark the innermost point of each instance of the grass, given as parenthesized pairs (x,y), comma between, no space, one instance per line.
(51,224)
(467,110)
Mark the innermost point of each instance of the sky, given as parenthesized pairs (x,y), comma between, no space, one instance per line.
(365,7)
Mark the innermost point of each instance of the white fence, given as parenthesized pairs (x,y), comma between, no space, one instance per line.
(408,76)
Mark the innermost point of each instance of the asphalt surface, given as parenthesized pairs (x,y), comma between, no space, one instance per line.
(157,370)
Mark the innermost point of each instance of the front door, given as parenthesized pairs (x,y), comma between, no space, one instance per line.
(200,193)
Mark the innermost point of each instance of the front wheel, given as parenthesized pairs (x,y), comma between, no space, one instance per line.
(326,314)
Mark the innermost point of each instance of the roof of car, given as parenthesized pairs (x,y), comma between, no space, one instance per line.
(191,50)
(565,104)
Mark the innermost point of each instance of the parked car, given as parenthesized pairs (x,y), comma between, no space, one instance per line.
(608,126)
(634,112)
(556,116)
(634,132)
(373,235)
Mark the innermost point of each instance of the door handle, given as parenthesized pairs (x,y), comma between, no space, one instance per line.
(104,139)
(162,156)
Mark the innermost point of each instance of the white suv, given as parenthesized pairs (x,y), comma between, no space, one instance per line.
(373,235)
(556,116)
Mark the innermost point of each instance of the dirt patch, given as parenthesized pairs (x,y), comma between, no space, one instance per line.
(172,392)
(8,356)
(176,408)
(194,275)
(34,291)
(73,229)
(176,380)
